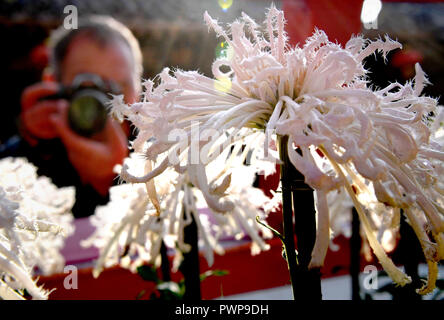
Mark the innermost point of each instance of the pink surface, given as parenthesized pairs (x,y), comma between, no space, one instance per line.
(73,252)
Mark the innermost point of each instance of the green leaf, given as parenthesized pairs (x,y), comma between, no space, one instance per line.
(209,273)
(170,291)
(168,295)
(140,295)
(148,273)
(170,285)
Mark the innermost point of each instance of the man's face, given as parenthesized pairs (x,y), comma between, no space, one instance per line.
(112,62)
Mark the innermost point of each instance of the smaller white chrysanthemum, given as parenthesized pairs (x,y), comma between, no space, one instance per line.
(33,215)
(130,231)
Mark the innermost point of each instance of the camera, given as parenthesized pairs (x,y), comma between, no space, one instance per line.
(88,96)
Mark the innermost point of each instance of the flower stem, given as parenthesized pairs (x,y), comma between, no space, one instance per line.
(308,280)
(411,256)
(287,214)
(190,264)
(165,263)
(355,255)
(298,197)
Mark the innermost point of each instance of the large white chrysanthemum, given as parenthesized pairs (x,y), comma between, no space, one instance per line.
(130,231)
(374,143)
(33,216)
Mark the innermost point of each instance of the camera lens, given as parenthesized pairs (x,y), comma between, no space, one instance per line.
(87,113)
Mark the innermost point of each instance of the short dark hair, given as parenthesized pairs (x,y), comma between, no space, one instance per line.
(102,29)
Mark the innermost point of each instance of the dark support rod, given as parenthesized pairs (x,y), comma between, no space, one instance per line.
(287,215)
(308,281)
(298,197)
(190,264)
(355,255)
(165,263)
(410,255)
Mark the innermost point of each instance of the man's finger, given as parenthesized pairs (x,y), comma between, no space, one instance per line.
(37,121)
(31,95)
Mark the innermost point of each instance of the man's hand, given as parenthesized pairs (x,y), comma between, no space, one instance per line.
(94,158)
(35,113)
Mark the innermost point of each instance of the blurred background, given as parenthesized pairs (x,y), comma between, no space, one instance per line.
(172,33)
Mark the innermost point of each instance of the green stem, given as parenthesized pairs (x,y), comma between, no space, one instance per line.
(275,232)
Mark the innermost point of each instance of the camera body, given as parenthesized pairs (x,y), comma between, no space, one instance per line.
(88,96)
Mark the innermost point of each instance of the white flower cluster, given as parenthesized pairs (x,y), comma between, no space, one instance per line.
(34,217)
(130,231)
(376,145)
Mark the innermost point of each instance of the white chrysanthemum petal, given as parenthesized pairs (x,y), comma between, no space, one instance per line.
(126,224)
(34,214)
